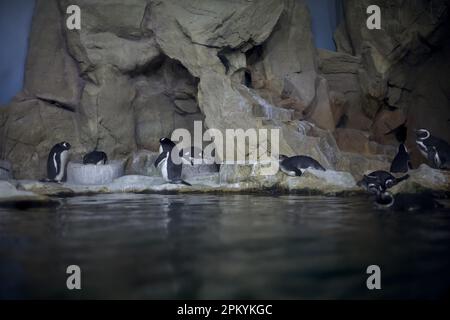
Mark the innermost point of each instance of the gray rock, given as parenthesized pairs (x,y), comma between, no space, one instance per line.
(51,73)
(424,178)
(10,196)
(282,61)
(29,136)
(142,163)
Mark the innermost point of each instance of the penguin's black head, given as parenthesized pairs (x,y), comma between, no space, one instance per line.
(282,157)
(371,184)
(422,134)
(65,145)
(166,144)
(384,199)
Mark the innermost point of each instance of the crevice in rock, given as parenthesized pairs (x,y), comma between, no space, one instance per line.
(57,104)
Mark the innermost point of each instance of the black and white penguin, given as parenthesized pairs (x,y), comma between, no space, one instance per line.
(170,170)
(406,201)
(57,160)
(380,180)
(95,157)
(435,149)
(402,161)
(296,165)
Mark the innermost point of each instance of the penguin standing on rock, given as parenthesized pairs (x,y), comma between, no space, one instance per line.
(436,150)
(296,165)
(380,180)
(401,162)
(95,157)
(170,170)
(57,161)
(406,201)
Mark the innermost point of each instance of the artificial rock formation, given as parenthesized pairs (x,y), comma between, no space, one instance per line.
(139,69)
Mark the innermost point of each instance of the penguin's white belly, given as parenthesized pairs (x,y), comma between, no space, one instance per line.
(62,162)
(163,168)
(289,173)
(422,148)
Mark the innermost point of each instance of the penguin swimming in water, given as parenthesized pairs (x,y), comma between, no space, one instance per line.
(296,165)
(401,162)
(436,150)
(406,201)
(95,157)
(57,160)
(380,180)
(170,171)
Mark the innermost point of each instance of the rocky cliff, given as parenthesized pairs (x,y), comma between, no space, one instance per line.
(139,69)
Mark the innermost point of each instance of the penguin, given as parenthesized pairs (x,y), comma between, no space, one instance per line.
(170,171)
(95,157)
(406,201)
(433,157)
(56,162)
(296,165)
(402,161)
(436,150)
(380,180)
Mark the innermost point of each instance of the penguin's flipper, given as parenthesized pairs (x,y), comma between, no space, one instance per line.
(7,170)
(159,159)
(298,172)
(397,180)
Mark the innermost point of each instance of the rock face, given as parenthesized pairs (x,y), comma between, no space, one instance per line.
(138,70)
(10,196)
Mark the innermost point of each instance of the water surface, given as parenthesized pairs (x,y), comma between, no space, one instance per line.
(231,246)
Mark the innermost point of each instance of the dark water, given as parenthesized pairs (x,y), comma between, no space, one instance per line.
(234,246)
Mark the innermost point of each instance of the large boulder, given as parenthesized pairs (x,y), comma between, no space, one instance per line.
(50,72)
(32,129)
(10,196)
(423,179)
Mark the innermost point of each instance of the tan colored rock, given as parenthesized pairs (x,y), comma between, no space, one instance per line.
(384,122)
(32,129)
(358,164)
(50,72)
(322,114)
(283,66)
(352,140)
(424,178)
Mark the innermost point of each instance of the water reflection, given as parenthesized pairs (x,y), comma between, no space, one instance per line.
(211,246)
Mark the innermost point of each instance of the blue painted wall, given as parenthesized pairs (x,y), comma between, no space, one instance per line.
(325,16)
(15,24)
